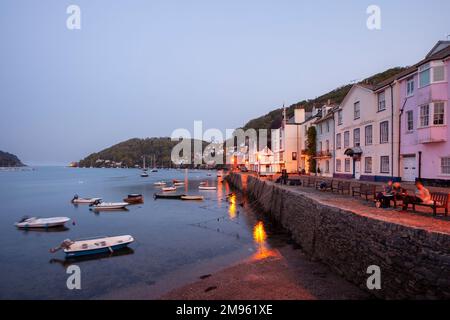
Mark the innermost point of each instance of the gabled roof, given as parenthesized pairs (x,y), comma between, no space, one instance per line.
(365,87)
(439,46)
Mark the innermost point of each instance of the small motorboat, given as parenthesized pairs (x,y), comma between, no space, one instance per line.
(159,183)
(144,174)
(169,189)
(33,222)
(108,205)
(178,183)
(134,198)
(168,196)
(196,198)
(207,188)
(73,248)
(77,200)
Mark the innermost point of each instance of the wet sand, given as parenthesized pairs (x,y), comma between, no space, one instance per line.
(281,274)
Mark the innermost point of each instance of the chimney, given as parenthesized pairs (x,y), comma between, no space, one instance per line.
(299,115)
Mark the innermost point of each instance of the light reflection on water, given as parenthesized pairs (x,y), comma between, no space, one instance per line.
(260,238)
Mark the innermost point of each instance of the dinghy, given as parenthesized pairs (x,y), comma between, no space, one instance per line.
(168,196)
(144,174)
(159,183)
(34,222)
(134,198)
(169,189)
(197,198)
(108,205)
(207,188)
(74,248)
(77,200)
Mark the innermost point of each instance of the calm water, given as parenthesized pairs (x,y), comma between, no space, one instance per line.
(175,240)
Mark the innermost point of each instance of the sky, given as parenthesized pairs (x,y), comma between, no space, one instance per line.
(145,68)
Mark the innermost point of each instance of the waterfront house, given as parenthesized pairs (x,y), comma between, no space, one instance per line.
(325,140)
(287,142)
(423,105)
(364,134)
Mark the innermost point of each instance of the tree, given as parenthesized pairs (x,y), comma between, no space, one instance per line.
(311,148)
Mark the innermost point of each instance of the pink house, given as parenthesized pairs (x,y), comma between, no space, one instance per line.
(425,118)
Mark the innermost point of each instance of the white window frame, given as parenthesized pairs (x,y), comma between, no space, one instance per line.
(356,110)
(346,141)
(410,83)
(366,166)
(366,143)
(442,167)
(431,67)
(383,141)
(388,164)
(444,115)
(338,141)
(421,116)
(409,121)
(347,162)
(340,117)
(355,142)
(422,69)
(381,102)
(338,165)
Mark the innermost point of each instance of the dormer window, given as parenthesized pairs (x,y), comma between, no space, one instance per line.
(432,72)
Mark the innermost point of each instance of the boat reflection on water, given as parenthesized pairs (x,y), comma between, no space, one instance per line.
(260,237)
(99,256)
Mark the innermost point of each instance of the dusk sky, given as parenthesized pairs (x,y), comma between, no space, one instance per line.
(145,68)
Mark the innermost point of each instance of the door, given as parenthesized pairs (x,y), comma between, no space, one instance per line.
(357,169)
(409,168)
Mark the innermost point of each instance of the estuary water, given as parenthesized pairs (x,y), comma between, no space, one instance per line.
(175,241)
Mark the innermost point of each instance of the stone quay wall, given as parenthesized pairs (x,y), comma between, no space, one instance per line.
(414,263)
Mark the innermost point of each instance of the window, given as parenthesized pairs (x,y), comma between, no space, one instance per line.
(424,117)
(328,126)
(439,113)
(338,165)
(424,75)
(294,156)
(327,145)
(368,165)
(320,146)
(339,117)
(410,87)
(356,110)
(381,101)
(384,164)
(346,139)
(445,165)
(347,165)
(338,141)
(439,73)
(384,132)
(327,166)
(409,120)
(368,135)
(356,137)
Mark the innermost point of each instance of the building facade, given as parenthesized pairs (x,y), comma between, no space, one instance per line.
(325,141)
(423,105)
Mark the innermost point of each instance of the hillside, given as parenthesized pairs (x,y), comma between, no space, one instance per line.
(129,153)
(273,119)
(9,160)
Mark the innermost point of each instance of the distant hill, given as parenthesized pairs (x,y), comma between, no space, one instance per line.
(9,160)
(129,153)
(273,119)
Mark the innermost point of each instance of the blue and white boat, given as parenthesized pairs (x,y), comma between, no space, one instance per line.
(75,248)
(34,222)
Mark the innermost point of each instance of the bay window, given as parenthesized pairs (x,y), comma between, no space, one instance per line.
(439,113)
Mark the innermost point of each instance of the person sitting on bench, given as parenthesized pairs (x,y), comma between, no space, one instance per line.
(421,195)
(390,190)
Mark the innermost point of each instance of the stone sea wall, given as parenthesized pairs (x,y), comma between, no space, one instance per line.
(414,263)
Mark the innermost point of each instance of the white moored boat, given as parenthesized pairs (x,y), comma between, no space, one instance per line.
(77,200)
(108,205)
(207,188)
(167,189)
(74,248)
(159,183)
(34,222)
(178,184)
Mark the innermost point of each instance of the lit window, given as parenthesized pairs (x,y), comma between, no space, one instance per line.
(384,164)
(381,101)
(384,132)
(424,117)
(368,135)
(294,156)
(439,113)
(445,165)
(409,120)
(357,110)
(368,165)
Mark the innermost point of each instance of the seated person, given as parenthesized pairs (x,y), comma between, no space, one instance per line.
(421,195)
(385,197)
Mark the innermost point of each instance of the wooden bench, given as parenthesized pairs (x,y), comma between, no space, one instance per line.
(329,184)
(364,189)
(309,182)
(440,201)
(343,186)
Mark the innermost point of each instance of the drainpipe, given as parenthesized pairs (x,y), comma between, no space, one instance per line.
(420,165)
(400,133)
(392,130)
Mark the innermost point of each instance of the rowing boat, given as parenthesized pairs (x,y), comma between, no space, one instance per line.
(77,200)
(73,248)
(34,222)
(134,198)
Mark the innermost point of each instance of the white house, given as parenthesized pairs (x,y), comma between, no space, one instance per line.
(325,140)
(365,124)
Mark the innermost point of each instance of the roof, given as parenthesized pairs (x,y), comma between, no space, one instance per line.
(439,52)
